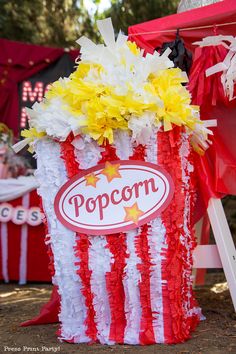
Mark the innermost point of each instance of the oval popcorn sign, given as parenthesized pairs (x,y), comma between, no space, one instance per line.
(114,197)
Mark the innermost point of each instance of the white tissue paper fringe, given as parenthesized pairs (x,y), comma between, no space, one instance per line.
(99,263)
(156,242)
(51,175)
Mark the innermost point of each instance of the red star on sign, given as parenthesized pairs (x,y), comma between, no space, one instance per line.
(111,171)
(133,213)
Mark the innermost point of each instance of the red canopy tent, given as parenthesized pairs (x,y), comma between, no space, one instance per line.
(217,168)
(151,34)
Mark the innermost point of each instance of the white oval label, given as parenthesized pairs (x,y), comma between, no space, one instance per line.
(114,197)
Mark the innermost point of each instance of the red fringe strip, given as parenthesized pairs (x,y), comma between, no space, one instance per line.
(109,154)
(82,245)
(114,282)
(82,252)
(176,328)
(146,329)
(139,153)
(68,155)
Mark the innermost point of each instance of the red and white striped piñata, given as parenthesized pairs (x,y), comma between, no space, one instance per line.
(133,287)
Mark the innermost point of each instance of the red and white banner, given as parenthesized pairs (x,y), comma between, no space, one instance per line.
(23,253)
(20,215)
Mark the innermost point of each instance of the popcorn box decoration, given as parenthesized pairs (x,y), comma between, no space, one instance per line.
(115,162)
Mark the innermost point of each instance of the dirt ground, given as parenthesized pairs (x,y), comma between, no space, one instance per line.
(217,334)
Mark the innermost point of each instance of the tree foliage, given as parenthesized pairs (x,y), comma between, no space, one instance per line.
(60,22)
(48,22)
(125,13)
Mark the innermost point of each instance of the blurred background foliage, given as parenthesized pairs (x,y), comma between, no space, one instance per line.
(59,23)
(128,13)
(47,22)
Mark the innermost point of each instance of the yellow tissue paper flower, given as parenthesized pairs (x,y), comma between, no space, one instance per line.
(167,85)
(106,111)
(133,47)
(32,133)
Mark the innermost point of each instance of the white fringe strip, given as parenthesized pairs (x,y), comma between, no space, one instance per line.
(156,242)
(51,174)
(131,281)
(99,263)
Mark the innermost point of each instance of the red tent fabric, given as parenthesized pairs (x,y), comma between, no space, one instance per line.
(217,169)
(147,34)
(19,61)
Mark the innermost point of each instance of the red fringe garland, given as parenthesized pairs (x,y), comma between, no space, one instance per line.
(114,281)
(82,246)
(68,155)
(82,252)
(172,219)
(146,329)
(139,153)
(176,328)
(109,153)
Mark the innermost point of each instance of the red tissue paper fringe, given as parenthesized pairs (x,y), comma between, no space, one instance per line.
(146,329)
(177,327)
(68,155)
(82,252)
(114,280)
(82,246)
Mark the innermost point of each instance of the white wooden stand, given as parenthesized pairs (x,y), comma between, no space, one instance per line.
(224,243)
(207,256)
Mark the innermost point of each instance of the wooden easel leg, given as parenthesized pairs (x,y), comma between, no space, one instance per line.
(224,243)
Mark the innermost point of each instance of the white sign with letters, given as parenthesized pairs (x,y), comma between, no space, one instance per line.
(114,197)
